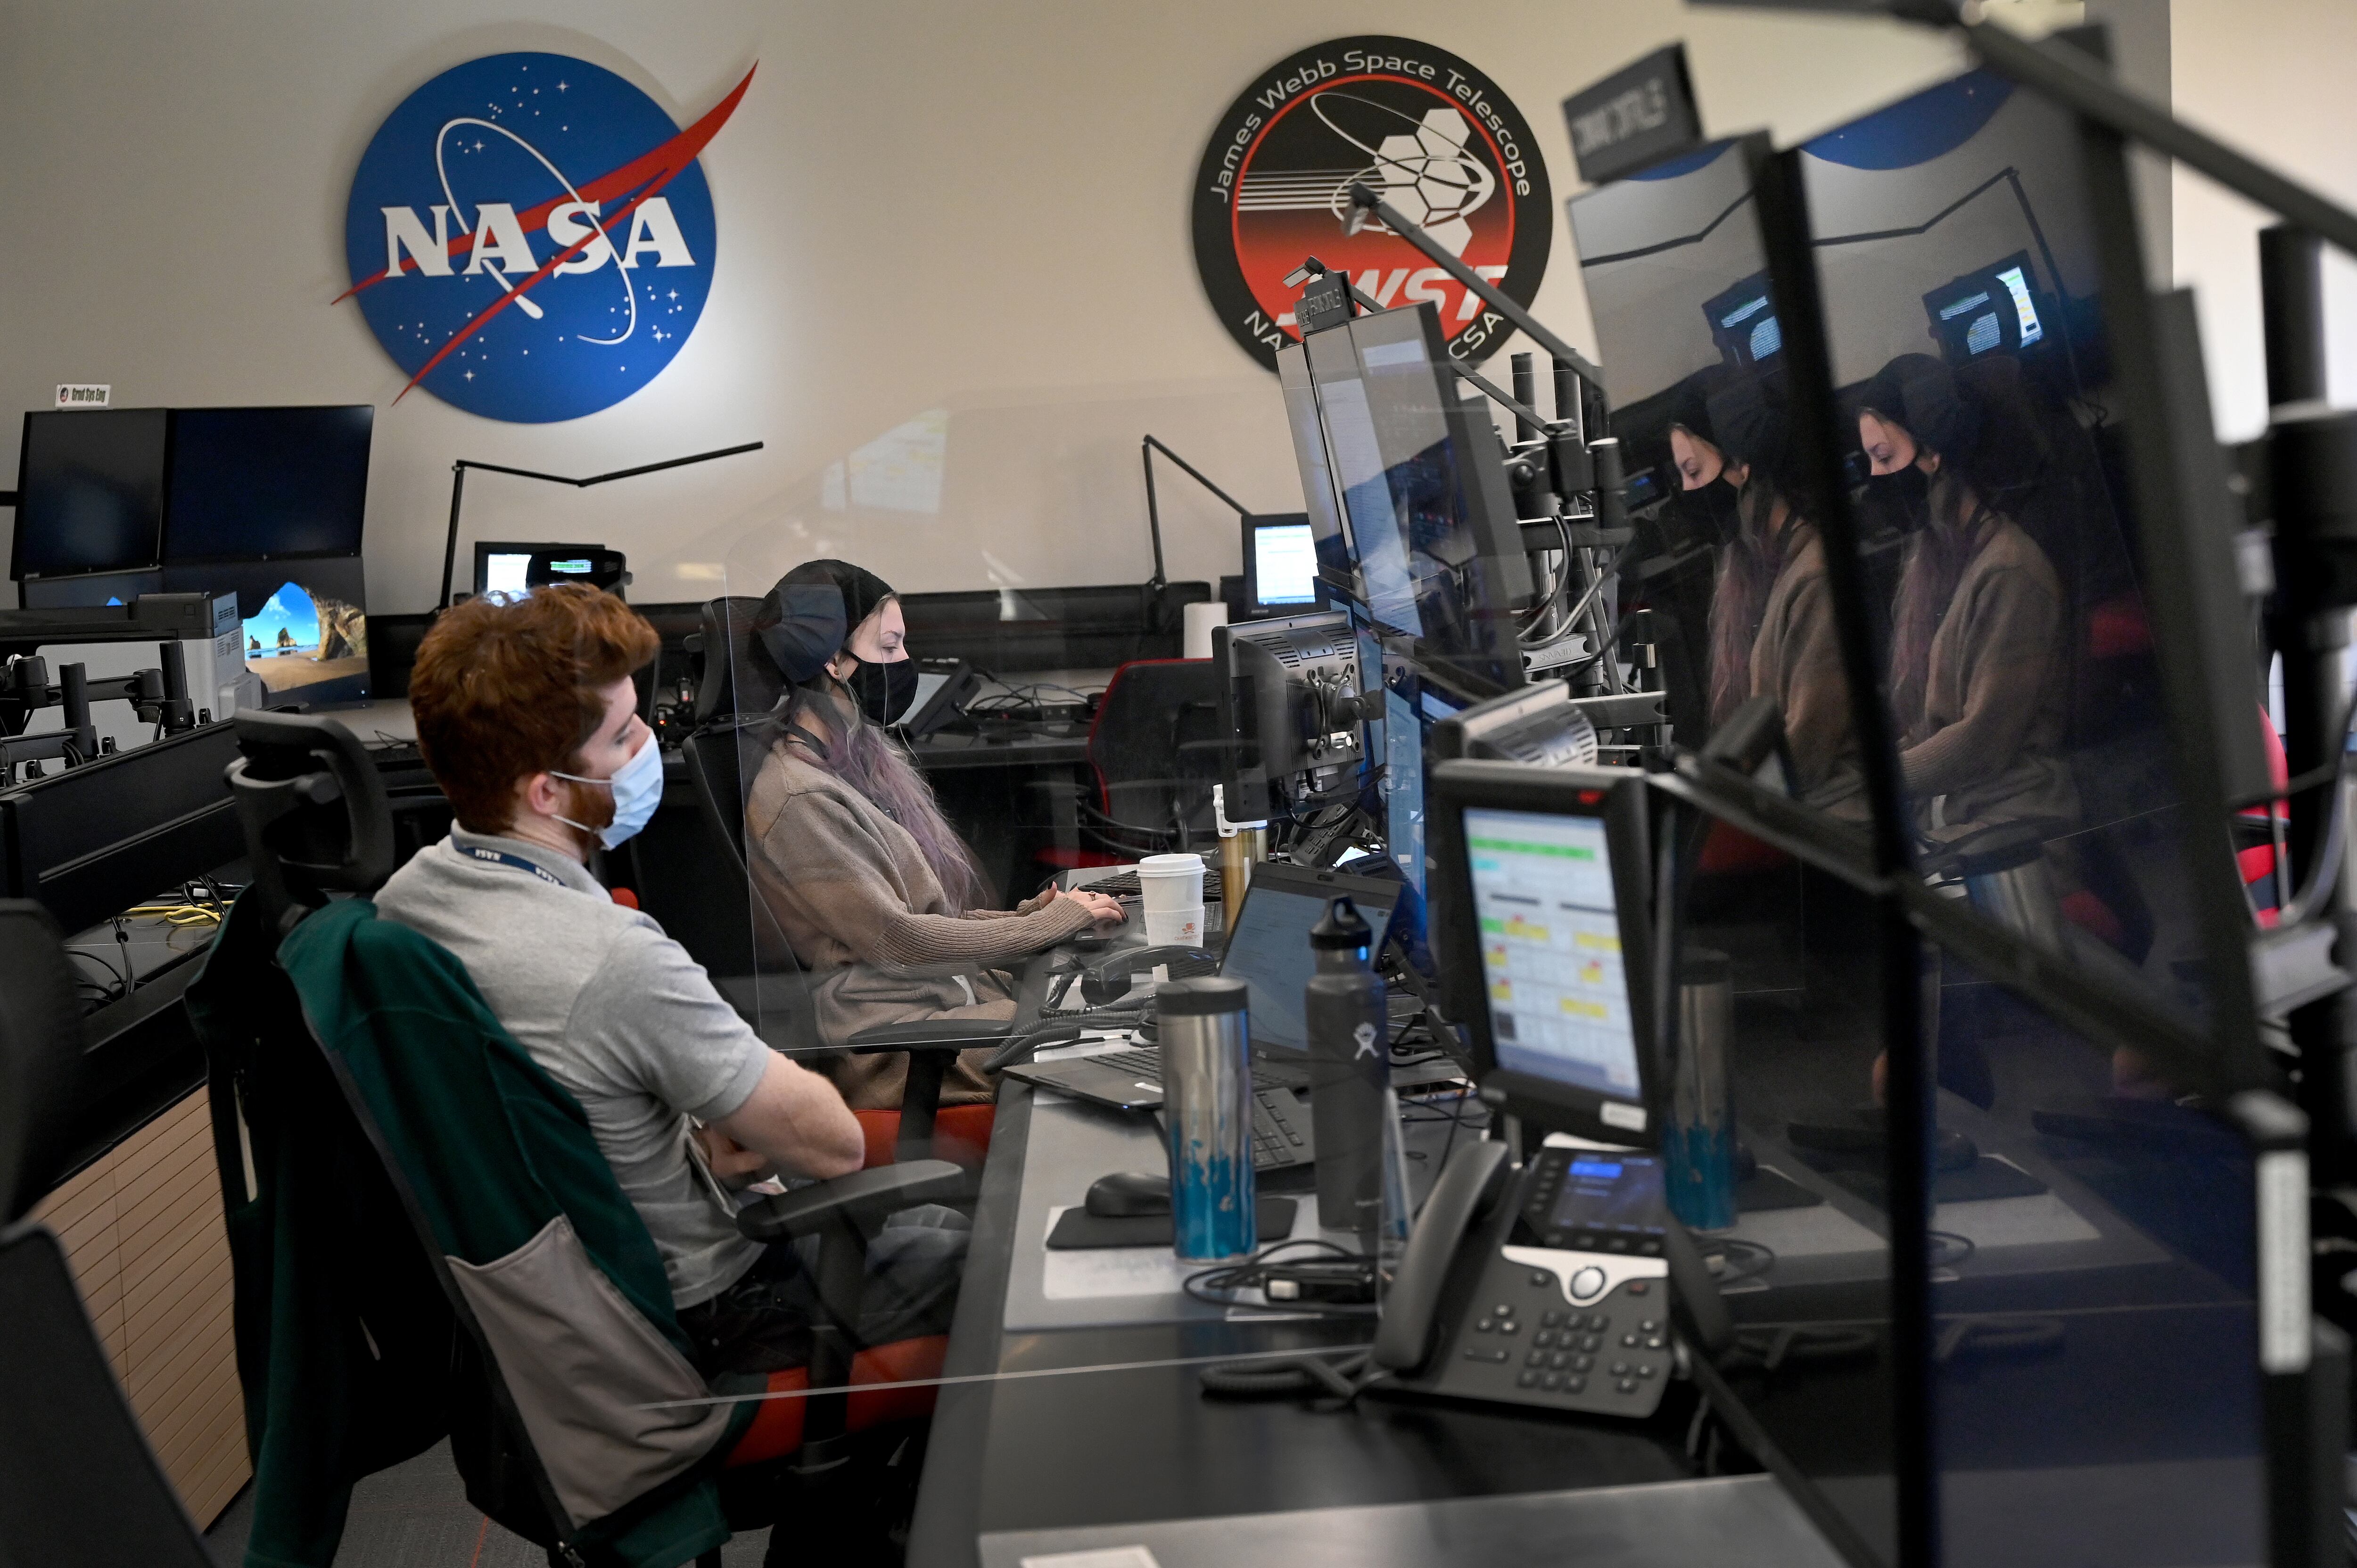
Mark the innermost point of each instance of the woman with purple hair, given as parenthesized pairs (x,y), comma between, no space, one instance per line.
(1771,625)
(1979,680)
(882,901)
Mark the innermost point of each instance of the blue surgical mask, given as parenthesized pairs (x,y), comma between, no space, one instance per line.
(638,790)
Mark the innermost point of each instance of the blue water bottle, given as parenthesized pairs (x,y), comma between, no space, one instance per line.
(1698,1144)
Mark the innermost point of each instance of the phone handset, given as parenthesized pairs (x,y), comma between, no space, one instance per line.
(1467,1188)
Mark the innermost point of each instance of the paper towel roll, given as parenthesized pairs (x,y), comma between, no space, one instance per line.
(1195,636)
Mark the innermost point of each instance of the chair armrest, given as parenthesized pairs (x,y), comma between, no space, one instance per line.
(930,1034)
(862,1198)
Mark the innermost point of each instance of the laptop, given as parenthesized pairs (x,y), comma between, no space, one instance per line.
(1268,950)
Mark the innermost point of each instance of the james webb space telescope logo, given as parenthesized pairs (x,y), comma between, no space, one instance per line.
(531,237)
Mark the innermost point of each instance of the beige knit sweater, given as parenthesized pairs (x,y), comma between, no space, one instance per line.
(1796,660)
(1989,747)
(867,917)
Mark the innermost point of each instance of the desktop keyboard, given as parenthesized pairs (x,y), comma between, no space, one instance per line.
(1124,884)
(1281,1136)
(1280,1130)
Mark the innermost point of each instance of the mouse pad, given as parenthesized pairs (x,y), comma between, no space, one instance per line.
(1986,1178)
(1767,1187)
(1079,1228)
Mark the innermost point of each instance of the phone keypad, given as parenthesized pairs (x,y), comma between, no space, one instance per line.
(1523,1346)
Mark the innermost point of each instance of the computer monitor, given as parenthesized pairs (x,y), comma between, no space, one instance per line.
(1744,323)
(1268,944)
(501,565)
(1991,310)
(90,487)
(1281,564)
(262,484)
(1426,514)
(1292,700)
(1338,568)
(305,623)
(1541,879)
(1402,786)
(89,590)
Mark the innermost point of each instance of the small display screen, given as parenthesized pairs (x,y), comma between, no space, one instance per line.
(1285,563)
(504,575)
(1550,931)
(1615,1193)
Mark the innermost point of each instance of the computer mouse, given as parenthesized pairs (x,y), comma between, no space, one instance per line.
(1951,1151)
(1125,1194)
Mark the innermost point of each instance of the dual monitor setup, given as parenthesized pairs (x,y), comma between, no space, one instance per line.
(265,503)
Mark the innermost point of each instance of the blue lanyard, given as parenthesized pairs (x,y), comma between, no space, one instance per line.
(501,857)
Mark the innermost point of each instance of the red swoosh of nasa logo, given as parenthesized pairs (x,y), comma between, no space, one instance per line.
(653,169)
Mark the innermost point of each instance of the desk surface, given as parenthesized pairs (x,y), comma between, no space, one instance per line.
(945,752)
(1101,1458)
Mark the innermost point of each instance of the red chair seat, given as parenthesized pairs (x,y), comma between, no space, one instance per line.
(1727,851)
(960,1134)
(777,1431)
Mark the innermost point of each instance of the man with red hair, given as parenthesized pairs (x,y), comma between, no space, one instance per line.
(527,714)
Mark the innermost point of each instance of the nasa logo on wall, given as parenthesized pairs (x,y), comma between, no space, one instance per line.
(531,237)
(1433,136)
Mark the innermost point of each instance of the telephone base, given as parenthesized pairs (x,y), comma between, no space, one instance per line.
(1521,1340)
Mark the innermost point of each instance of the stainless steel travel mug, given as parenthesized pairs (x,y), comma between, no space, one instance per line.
(1206,1105)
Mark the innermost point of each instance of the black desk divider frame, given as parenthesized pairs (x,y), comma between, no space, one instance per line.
(2179,512)
(2183,523)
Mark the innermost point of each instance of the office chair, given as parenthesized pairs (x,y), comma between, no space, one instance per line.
(738,682)
(78,1482)
(1156,748)
(349,1116)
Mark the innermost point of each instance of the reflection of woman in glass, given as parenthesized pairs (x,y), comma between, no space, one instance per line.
(1979,676)
(1771,626)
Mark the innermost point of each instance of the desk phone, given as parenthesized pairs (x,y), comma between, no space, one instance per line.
(1551,1285)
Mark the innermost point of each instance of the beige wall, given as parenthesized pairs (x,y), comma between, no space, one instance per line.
(924,206)
(2275,80)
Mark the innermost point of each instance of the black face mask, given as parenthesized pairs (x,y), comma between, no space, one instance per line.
(1712,513)
(1905,497)
(884,691)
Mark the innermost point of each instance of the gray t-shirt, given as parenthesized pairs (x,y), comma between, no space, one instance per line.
(613,1010)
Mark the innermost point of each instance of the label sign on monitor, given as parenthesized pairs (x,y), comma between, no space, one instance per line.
(1638,115)
(84,394)
(1432,136)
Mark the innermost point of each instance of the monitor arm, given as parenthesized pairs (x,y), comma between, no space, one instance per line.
(1145,451)
(1366,204)
(458,490)
(160,696)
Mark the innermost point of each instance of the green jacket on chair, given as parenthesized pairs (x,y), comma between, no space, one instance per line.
(362,1049)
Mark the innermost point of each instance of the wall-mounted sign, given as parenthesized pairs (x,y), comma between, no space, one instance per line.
(1639,115)
(531,237)
(1431,134)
